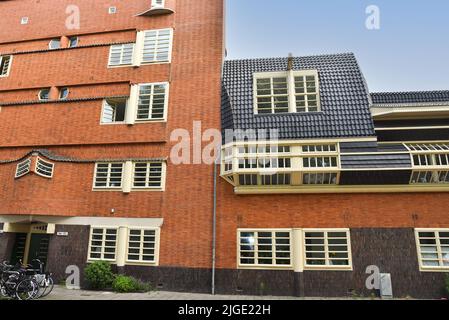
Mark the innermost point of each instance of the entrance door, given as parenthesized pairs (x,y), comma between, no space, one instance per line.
(38,247)
(18,251)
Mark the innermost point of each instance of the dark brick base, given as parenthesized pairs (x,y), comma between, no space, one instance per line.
(392,250)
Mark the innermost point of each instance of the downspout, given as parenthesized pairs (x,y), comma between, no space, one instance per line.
(214,229)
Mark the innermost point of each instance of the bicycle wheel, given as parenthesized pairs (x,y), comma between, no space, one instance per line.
(26,289)
(49,285)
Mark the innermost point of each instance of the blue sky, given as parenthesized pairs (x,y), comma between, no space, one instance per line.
(409,52)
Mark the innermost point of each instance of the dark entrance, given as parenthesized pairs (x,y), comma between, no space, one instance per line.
(38,248)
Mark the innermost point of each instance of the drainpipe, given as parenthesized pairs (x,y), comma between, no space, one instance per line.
(214,228)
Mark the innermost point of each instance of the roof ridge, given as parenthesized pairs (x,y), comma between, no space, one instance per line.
(285,57)
(410,92)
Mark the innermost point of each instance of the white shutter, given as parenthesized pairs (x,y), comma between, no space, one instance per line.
(157,46)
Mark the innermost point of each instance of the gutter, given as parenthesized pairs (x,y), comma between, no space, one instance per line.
(214,229)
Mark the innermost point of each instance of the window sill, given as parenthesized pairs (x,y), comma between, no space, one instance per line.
(434,269)
(319,113)
(328,268)
(267,267)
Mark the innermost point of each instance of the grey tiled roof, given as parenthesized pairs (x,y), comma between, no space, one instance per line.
(410,97)
(345,102)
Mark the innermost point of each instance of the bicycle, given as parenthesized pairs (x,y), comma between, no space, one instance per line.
(15,284)
(44,279)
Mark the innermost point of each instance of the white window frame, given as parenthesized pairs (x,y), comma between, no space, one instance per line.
(147,187)
(326,252)
(51,41)
(122,64)
(107,187)
(40,161)
(290,75)
(103,106)
(40,92)
(27,166)
(155,262)
(9,65)
(157,4)
(436,231)
(24,20)
(431,152)
(137,98)
(140,44)
(273,244)
(104,228)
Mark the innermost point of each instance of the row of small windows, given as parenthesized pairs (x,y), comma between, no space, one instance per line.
(152,46)
(328,249)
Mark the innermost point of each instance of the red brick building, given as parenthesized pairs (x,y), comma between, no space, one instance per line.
(321,179)
(86,117)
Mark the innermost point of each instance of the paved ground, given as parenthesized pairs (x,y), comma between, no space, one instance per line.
(61,293)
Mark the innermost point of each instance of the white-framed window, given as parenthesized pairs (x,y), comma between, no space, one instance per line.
(433,249)
(157,3)
(152,102)
(142,246)
(430,163)
(112,10)
(148,175)
(264,248)
(44,94)
(108,175)
(54,44)
(286,92)
(24,20)
(44,168)
(114,110)
(121,54)
(73,42)
(23,168)
(5,65)
(64,93)
(156,45)
(103,244)
(327,248)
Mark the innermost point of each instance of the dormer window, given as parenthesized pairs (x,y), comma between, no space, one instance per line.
(286,92)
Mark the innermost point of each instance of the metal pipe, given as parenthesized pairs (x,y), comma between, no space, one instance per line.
(214,228)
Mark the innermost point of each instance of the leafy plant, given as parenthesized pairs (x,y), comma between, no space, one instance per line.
(99,275)
(125,284)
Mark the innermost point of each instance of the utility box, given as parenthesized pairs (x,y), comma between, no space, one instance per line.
(386,288)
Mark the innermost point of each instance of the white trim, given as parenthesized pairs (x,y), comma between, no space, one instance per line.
(140,43)
(86,221)
(412,128)
(273,244)
(54,39)
(114,122)
(136,99)
(9,65)
(40,92)
(107,187)
(291,92)
(423,268)
(156,247)
(348,267)
(26,162)
(39,160)
(104,234)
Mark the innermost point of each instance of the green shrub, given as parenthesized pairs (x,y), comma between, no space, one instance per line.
(125,284)
(99,275)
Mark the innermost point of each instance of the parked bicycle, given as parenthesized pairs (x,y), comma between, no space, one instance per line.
(16,284)
(25,282)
